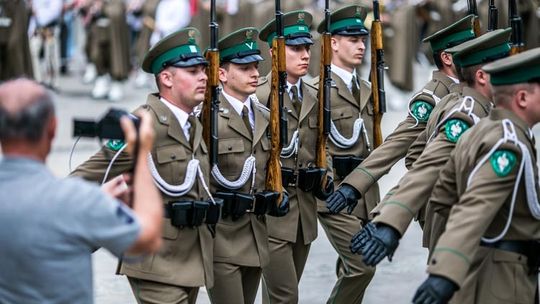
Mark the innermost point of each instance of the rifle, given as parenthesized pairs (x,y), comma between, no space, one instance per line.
(518,43)
(377,73)
(278,117)
(493,16)
(325,82)
(211,101)
(473,10)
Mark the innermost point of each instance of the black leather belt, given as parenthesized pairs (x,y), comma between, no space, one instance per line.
(520,247)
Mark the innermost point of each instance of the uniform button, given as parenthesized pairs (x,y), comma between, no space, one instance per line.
(341,115)
(173,156)
(519,258)
(300,165)
(230,148)
(433,262)
(163,118)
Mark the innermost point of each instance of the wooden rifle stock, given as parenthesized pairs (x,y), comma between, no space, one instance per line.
(377,74)
(518,43)
(325,81)
(211,100)
(278,117)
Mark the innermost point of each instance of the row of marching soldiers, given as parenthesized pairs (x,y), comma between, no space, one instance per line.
(467,140)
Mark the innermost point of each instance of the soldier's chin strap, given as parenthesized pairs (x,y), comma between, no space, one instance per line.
(510,136)
(466,106)
(248,170)
(342,142)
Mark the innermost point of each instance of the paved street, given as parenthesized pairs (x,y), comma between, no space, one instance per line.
(393,283)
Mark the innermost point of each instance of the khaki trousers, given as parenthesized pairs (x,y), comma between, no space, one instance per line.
(282,274)
(353,275)
(234,284)
(150,292)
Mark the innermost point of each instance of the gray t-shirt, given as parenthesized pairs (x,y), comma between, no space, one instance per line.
(48,229)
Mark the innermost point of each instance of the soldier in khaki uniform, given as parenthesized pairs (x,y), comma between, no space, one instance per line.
(350,141)
(15,59)
(396,145)
(291,235)
(180,167)
(109,48)
(241,242)
(490,248)
(460,114)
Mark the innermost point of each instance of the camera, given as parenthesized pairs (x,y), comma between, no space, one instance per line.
(107,127)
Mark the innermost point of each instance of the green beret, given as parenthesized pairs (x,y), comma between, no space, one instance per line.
(519,68)
(296,26)
(454,34)
(178,49)
(486,48)
(347,21)
(240,47)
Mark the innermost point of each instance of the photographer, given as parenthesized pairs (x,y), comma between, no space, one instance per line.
(49,226)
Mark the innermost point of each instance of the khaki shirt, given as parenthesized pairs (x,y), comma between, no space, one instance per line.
(416,185)
(185,258)
(396,145)
(345,110)
(244,241)
(482,208)
(303,205)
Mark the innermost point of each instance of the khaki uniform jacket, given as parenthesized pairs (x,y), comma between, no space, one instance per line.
(185,258)
(116,36)
(345,110)
(482,208)
(414,189)
(244,241)
(396,145)
(303,205)
(15,60)
(142,45)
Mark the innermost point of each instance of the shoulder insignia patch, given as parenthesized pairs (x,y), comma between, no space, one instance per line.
(454,128)
(421,110)
(115,144)
(502,162)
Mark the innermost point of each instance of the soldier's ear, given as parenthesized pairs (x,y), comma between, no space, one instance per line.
(222,74)
(481,77)
(446,58)
(334,43)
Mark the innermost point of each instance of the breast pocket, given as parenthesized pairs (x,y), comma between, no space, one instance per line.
(171,163)
(343,119)
(231,152)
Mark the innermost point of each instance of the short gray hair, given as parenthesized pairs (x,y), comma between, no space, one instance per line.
(29,123)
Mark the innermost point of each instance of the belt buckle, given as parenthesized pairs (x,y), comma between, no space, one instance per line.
(252,209)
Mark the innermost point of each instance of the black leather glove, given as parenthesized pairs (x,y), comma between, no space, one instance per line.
(360,239)
(323,194)
(435,290)
(283,208)
(345,196)
(383,243)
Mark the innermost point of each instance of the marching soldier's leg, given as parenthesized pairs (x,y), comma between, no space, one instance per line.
(227,284)
(36,43)
(150,292)
(280,281)
(353,275)
(251,276)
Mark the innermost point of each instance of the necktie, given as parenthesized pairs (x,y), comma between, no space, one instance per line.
(354,88)
(192,123)
(295,100)
(245,118)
